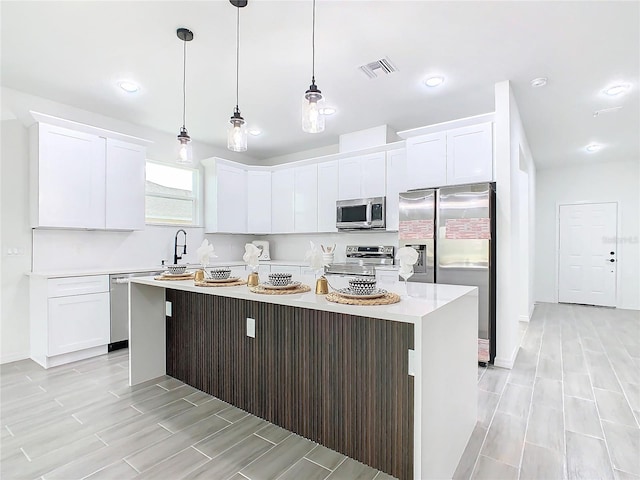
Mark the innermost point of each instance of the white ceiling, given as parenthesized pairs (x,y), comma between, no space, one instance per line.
(74,52)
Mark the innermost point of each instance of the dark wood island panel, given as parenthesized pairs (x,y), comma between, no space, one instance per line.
(339,380)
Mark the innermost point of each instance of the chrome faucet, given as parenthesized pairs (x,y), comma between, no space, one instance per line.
(177,257)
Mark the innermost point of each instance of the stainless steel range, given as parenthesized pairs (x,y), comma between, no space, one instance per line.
(362,260)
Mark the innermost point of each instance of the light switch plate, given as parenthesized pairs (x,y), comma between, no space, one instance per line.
(251,327)
(167,308)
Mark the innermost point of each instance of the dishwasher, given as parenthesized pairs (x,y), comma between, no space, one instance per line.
(119,299)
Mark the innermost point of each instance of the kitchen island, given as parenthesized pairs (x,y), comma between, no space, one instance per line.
(392,386)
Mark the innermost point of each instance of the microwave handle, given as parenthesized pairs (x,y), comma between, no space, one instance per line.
(369,213)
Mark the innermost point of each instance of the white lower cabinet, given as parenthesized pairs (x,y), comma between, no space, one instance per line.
(78,322)
(69,318)
(292,269)
(387,276)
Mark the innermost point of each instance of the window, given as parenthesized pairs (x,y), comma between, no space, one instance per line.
(171,195)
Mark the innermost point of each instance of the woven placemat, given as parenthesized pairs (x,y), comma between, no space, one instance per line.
(220,284)
(388,299)
(186,277)
(266,291)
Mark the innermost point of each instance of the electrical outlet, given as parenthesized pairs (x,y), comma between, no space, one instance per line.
(251,327)
(167,308)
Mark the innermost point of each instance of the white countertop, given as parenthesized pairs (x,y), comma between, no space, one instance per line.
(153,268)
(425,297)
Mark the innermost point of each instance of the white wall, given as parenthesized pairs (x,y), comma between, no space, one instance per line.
(611,182)
(513,277)
(64,249)
(16,234)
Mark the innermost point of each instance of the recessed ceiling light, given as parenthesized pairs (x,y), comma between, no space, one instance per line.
(593,147)
(618,89)
(128,86)
(327,111)
(539,82)
(255,131)
(434,81)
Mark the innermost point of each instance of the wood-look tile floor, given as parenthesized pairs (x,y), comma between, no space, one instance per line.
(82,420)
(570,407)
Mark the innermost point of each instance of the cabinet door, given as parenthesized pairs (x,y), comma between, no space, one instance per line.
(373,174)
(125,186)
(292,269)
(396,183)
(232,199)
(71,179)
(306,199)
(427,161)
(470,154)
(282,210)
(327,196)
(259,202)
(78,322)
(349,179)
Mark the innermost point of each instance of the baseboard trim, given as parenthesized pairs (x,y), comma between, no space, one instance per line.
(14,357)
(504,362)
(57,360)
(524,318)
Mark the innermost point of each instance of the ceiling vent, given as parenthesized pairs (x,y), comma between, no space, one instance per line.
(378,68)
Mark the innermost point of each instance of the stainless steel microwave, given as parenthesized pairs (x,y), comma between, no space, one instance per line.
(361,214)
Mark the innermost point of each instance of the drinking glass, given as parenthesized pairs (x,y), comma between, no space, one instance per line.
(406,276)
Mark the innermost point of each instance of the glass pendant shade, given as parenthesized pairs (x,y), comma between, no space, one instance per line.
(312,103)
(237,133)
(185,152)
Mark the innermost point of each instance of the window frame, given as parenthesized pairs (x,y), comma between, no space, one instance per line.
(196,198)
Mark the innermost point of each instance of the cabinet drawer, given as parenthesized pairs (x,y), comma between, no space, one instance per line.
(62,287)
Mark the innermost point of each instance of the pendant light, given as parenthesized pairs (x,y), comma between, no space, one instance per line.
(185,153)
(237,132)
(313,102)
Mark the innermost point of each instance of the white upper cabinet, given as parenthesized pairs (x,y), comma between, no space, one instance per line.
(427,161)
(232,199)
(453,157)
(373,168)
(125,186)
(349,178)
(282,195)
(84,180)
(470,154)
(225,195)
(68,171)
(362,176)
(259,201)
(305,199)
(327,196)
(396,183)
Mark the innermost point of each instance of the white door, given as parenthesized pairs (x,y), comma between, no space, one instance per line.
(588,254)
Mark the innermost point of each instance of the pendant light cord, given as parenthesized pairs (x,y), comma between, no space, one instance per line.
(237,55)
(184,83)
(313,45)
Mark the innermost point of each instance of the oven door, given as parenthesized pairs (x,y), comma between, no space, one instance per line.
(353,214)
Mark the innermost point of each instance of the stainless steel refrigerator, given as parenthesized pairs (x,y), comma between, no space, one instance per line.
(453,230)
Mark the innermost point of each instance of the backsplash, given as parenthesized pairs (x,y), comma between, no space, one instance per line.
(86,249)
(293,246)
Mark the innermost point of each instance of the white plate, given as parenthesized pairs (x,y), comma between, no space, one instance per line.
(348,293)
(176,275)
(268,286)
(225,280)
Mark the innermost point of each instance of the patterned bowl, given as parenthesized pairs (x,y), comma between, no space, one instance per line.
(221,273)
(280,279)
(362,286)
(176,269)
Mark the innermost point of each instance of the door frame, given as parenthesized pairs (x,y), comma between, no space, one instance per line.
(556,292)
